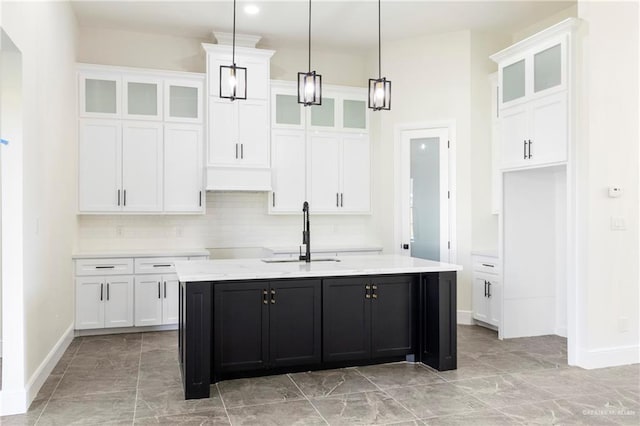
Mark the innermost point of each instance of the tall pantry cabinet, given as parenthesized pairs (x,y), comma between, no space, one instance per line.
(140,141)
(536,116)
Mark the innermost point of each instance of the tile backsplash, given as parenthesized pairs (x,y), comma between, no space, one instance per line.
(236,224)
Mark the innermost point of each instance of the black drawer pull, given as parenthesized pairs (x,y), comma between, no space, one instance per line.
(162,266)
(105,267)
(487,265)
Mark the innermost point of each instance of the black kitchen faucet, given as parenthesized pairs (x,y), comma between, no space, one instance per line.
(306,233)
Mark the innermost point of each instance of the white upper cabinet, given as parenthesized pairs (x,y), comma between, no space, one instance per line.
(126,114)
(342,109)
(534,88)
(183,100)
(100,95)
(142,98)
(356,174)
(253,133)
(288,153)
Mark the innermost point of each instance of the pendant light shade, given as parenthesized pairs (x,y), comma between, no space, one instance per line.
(233,79)
(310,82)
(379,88)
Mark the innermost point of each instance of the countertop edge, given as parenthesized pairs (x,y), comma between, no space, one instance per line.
(139,253)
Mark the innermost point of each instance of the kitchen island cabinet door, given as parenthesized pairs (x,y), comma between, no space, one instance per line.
(241,326)
(294,323)
(346,324)
(392,317)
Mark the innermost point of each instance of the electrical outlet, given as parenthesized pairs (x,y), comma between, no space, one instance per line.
(618,223)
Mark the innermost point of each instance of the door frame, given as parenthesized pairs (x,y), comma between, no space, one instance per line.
(450,126)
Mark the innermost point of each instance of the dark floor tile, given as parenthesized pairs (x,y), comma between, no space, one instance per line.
(502,391)
(482,417)
(160,340)
(367,408)
(469,368)
(332,382)
(562,382)
(111,343)
(258,390)
(286,413)
(79,384)
(158,377)
(400,374)
(435,400)
(515,362)
(169,401)
(114,407)
(217,416)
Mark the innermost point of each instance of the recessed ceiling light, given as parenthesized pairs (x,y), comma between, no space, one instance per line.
(251,9)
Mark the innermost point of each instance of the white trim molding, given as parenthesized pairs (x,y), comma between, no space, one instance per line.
(464,317)
(608,357)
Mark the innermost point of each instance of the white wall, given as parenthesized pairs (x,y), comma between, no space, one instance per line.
(608,281)
(45,32)
(236,224)
(570,12)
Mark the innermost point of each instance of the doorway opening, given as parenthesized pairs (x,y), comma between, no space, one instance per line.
(424,182)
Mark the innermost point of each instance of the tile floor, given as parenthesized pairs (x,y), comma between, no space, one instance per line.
(134,379)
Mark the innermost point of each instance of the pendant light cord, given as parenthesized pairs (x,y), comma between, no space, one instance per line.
(233,55)
(309,35)
(379,44)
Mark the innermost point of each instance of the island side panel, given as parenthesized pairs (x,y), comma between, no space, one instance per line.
(195,328)
(437,326)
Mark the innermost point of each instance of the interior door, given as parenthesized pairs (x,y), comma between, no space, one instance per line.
(425,194)
(325,172)
(118,307)
(142,166)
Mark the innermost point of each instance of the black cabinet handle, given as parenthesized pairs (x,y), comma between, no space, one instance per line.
(159,295)
(236,151)
(366,291)
(529,148)
(200,199)
(337,200)
(264,296)
(341,199)
(124,197)
(108,291)
(166,265)
(274,199)
(105,267)
(273,296)
(242,151)
(101,292)
(374,294)
(118,197)
(485,288)
(165,289)
(489,289)
(524,146)
(487,265)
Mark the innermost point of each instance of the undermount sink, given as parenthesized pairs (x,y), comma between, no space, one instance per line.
(294,260)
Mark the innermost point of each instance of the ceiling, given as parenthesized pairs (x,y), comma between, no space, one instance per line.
(344,25)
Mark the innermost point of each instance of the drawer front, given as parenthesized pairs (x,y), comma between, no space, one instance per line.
(156,265)
(118,266)
(486,264)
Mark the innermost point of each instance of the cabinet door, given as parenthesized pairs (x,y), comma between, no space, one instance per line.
(241,326)
(99,95)
(253,133)
(288,171)
(257,76)
(355,115)
(99,166)
(148,300)
(142,167)
(494,300)
(356,176)
(548,129)
(325,172)
(183,101)
(480,301)
(170,299)
(89,303)
(286,111)
(183,166)
(294,323)
(223,132)
(514,80)
(118,306)
(346,321)
(513,137)
(142,98)
(392,317)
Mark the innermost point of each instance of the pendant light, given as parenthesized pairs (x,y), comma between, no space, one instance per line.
(233,79)
(380,88)
(309,83)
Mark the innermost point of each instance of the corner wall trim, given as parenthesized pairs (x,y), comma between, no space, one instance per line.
(608,357)
(464,317)
(47,365)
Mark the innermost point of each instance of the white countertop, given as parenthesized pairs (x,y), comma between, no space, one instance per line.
(139,253)
(248,269)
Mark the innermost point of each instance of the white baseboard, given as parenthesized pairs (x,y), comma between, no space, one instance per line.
(608,357)
(121,330)
(47,365)
(464,317)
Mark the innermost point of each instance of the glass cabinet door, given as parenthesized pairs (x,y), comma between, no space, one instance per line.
(142,98)
(99,95)
(547,68)
(354,114)
(324,115)
(513,81)
(288,110)
(183,101)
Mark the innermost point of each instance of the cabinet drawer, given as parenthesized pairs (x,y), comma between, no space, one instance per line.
(122,266)
(486,264)
(156,265)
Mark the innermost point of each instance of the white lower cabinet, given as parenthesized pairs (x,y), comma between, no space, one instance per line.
(156,300)
(487,290)
(104,301)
